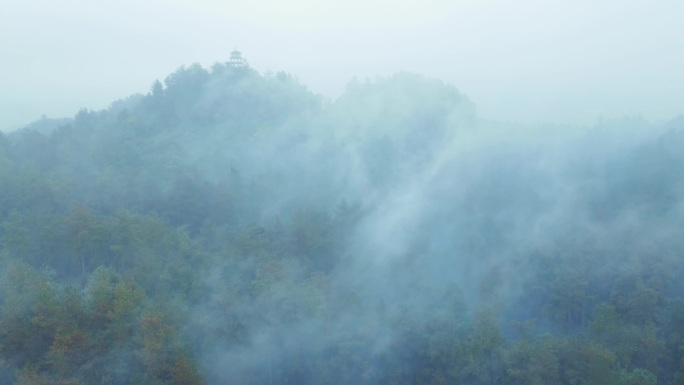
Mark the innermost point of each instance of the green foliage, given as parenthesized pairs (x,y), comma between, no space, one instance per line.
(30,309)
(66,335)
(534,362)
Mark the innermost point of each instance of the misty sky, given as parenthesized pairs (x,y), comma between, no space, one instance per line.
(527,60)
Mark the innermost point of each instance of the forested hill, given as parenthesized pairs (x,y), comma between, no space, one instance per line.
(233,227)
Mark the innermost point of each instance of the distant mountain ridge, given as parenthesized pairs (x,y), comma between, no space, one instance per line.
(46,125)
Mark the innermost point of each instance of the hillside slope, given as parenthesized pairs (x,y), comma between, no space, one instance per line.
(232,227)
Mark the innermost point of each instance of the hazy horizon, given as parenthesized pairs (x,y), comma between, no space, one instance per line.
(524,61)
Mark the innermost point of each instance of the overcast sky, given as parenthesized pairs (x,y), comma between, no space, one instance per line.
(525,60)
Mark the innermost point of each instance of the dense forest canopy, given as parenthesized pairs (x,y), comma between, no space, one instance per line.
(233,227)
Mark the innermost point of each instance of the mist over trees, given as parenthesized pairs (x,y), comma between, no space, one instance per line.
(233,227)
